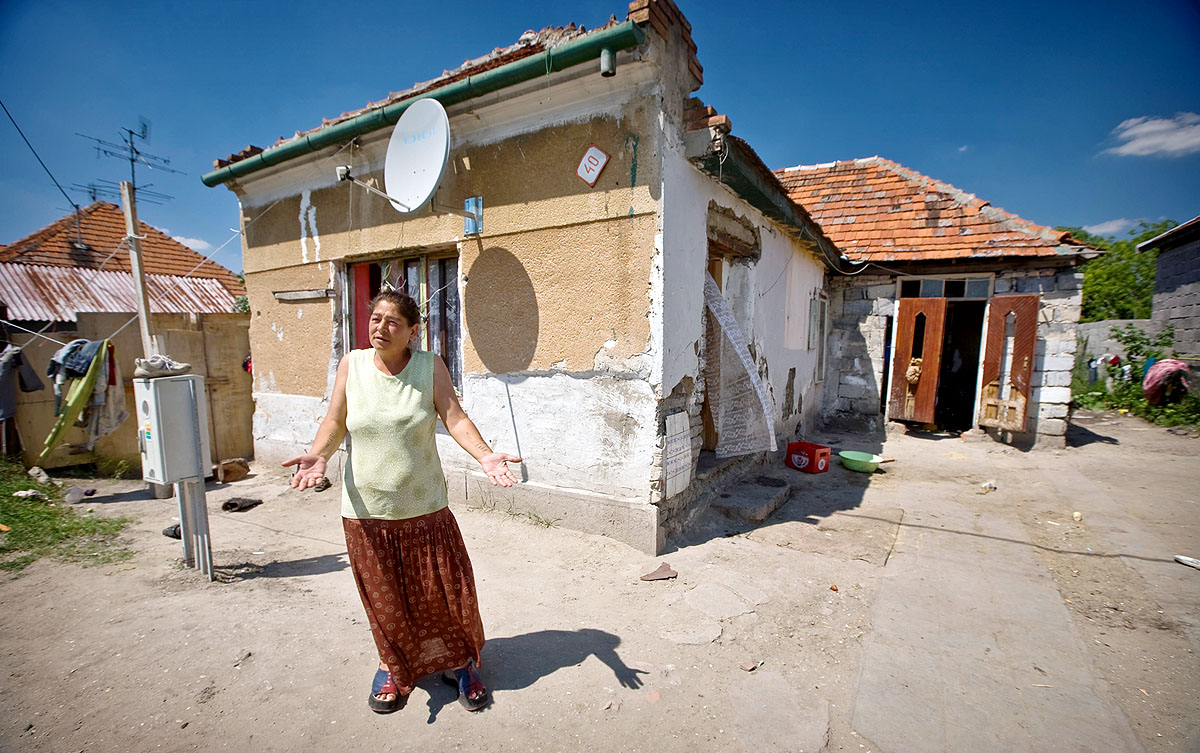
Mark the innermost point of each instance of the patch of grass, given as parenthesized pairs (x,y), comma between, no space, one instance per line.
(47,527)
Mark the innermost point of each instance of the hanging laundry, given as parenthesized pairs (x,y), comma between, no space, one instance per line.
(78,396)
(106,411)
(15,370)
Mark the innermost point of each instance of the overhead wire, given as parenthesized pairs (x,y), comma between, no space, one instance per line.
(36,156)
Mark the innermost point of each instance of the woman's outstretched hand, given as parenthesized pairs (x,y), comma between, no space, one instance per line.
(310,472)
(496,467)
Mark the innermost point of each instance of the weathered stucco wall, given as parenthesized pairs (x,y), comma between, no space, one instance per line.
(763,293)
(556,293)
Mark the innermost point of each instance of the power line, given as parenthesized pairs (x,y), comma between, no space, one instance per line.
(35,154)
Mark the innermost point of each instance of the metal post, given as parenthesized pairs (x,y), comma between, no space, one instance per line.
(138,268)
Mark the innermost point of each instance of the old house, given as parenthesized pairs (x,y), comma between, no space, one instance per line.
(72,280)
(576,324)
(1177,284)
(946,310)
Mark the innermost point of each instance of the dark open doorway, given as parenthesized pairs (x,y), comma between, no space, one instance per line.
(960,365)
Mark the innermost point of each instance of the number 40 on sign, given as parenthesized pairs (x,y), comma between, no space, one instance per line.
(592,164)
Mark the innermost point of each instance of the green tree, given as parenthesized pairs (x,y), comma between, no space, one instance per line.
(1119,284)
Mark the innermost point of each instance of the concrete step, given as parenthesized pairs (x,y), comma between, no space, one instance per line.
(754,499)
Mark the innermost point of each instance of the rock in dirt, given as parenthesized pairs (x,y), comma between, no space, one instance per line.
(233,469)
(663,572)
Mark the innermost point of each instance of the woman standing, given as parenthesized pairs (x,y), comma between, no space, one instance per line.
(404,546)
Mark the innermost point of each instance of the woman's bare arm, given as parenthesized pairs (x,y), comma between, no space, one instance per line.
(329,436)
(464,431)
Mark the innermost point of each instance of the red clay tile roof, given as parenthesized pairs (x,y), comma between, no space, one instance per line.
(660,15)
(877,210)
(102,227)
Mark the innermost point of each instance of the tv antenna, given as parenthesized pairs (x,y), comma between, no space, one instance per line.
(111,189)
(416,158)
(128,150)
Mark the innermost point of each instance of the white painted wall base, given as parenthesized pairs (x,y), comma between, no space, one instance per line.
(632,523)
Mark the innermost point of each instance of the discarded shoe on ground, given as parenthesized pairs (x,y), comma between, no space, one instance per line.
(240,504)
(158,365)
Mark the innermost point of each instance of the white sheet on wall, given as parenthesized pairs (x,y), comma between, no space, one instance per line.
(744,407)
(677,457)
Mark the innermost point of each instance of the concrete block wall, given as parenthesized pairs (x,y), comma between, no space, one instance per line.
(1177,295)
(858,311)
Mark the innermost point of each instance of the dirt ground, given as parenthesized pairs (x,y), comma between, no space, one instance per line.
(962,619)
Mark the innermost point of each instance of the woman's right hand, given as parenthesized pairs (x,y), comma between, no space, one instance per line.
(309,473)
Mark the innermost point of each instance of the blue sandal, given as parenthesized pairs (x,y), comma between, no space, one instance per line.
(471,692)
(383,684)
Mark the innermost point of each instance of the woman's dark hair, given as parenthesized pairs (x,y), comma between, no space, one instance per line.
(403,302)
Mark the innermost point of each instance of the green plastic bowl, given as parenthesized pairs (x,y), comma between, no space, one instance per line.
(863,462)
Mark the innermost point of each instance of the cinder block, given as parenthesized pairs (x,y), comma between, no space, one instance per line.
(856,293)
(1035,284)
(886,290)
(1057,363)
(1003,285)
(1057,379)
(1052,426)
(858,308)
(1051,410)
(1044,395)
(1068,280)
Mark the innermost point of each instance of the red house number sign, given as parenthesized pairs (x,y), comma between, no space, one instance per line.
(592,164)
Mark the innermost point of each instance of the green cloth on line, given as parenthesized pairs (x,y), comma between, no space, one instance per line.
(77,399)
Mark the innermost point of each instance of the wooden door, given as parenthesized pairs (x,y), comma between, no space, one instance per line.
(920,325)
(1008,361)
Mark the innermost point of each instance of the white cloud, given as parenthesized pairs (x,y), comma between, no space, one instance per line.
(963,148)
(1145,136)
(196,244)
(1111,227)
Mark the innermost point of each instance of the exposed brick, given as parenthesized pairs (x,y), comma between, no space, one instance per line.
(1052,410)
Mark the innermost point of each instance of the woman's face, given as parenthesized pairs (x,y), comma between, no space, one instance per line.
(388,329)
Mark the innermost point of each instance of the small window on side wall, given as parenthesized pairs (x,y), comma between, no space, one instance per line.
(818,315)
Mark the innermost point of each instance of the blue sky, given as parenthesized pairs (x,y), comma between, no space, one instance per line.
(1066,113)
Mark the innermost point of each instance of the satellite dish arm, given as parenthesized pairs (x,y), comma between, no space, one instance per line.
(343,173)
(475,214)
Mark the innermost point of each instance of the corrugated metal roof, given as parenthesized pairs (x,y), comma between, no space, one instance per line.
(40,293)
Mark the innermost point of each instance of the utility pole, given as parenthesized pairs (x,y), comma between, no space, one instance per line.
(136,266)
(128,150)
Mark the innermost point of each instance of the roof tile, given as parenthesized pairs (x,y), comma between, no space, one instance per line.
(877,210)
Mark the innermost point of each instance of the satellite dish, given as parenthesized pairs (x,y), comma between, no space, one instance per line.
(416,155)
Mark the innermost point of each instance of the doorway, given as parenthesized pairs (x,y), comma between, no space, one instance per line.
(955,408)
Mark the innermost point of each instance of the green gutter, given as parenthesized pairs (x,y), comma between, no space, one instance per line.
(566,55)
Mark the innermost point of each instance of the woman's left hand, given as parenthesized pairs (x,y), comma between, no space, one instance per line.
(496,467)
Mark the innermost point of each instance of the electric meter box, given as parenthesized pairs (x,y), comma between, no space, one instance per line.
(172,423)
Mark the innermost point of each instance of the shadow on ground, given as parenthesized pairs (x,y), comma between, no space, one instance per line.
(1081,436)
(319,565)
(519,661)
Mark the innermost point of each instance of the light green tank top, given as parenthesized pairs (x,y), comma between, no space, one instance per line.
(394,471)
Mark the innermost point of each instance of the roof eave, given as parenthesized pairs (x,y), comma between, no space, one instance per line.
(733,163)
(569,54)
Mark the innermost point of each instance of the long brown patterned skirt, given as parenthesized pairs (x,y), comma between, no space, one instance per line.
(417,586)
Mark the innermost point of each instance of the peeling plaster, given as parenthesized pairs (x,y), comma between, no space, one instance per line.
(308,227)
